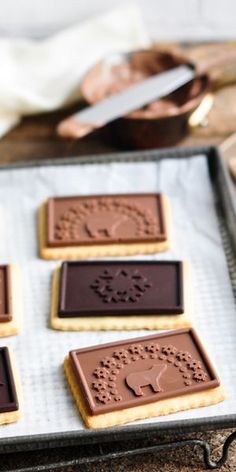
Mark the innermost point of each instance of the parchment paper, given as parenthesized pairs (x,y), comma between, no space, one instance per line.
(39,351)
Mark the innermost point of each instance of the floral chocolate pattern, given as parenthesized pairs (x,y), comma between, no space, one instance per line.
(123,286)
(92,216)
(106,391)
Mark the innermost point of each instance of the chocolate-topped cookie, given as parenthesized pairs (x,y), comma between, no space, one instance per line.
(121,295)
(138,378)
(100,225)
(10,300)
(9,402)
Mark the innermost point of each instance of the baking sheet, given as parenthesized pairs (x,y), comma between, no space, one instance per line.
(48,404)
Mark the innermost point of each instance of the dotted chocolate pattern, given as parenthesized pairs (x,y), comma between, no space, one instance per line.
(105,375)
(88,214)
(123,286)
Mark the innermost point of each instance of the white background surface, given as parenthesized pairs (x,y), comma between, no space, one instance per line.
(48,403)
(165,19)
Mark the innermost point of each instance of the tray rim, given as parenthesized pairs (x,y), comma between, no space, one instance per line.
(217,172)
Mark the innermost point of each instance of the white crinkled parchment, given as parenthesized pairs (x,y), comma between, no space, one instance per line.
(48,404)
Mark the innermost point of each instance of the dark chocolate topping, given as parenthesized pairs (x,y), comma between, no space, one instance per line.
(120,288)
(105,219)
(8,396)
(138,371)
(5,294)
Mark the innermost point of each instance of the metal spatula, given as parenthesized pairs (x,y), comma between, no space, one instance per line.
(132,98)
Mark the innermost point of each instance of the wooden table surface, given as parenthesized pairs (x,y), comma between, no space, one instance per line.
(35,138)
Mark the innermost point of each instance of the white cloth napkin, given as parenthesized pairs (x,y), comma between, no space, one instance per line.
(38,76)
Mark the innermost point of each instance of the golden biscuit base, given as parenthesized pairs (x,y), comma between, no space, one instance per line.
(13,416)
(127,415)
(102,250)
(9,328)
(124,322)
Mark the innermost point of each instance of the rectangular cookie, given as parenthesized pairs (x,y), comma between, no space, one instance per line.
(121,295)
(84,227)
(10,409)
(140,378)
(10,300)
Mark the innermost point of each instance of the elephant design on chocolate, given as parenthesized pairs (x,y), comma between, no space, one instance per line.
(104,225)
(137,380)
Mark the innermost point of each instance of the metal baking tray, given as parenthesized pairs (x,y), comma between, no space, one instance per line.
(225,203)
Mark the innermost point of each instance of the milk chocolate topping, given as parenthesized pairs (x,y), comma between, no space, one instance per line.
(105,219)
(8,396)
(5,294)
(138,371)
(120,288)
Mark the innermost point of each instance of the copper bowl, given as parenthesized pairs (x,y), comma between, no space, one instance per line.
(162,123)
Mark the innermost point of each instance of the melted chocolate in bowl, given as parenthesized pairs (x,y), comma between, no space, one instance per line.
(112,76)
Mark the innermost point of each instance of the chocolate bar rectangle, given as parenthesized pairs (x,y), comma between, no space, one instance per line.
(5,294)
(8,396)
(139,371)
(105,219)
(120,288)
